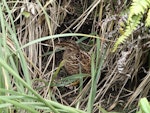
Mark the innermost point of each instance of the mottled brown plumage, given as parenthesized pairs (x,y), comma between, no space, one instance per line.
(76,60)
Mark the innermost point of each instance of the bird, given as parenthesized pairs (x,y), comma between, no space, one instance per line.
(75,59)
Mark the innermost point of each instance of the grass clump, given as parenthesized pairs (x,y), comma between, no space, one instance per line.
(32,71)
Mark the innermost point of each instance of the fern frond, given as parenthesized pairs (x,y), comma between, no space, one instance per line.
(129,29)
(138,7)
(147,22)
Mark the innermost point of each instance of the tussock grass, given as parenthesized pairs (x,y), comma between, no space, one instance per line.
(31,65)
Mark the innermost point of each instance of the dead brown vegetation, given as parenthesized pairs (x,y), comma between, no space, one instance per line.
(125,73)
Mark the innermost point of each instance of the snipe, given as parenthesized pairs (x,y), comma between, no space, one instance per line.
(76,60)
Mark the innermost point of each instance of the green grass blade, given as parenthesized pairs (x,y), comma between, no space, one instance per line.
(144,105)
(93,87)
(26,107)
(6,66)
(12,35)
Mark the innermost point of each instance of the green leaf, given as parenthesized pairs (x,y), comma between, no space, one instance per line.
(147,23)
(144,105)
(26,14)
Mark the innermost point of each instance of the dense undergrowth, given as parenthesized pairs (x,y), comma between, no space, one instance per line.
(32,75)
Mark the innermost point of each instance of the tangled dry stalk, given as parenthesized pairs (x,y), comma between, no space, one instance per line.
(124,78)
